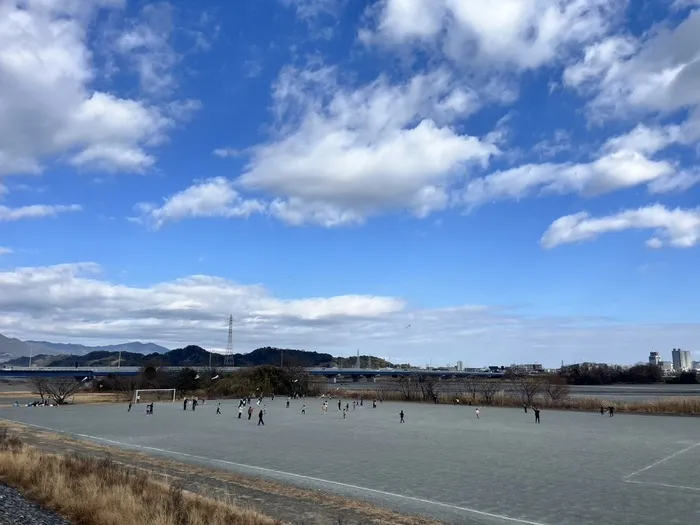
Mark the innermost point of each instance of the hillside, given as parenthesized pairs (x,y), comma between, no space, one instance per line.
(11,348)
(195,356)
(136,347)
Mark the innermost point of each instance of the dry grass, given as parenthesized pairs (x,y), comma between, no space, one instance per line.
(78,397)
(88,491)
(662,405)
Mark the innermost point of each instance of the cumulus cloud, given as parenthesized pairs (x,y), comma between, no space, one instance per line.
(630,76)
(342,155)
(672,227)
(50,107)
(524,34)
(35,211)
(73,303)
(214,197)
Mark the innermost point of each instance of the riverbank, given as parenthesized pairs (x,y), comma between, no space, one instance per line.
(100,492)
(688,406)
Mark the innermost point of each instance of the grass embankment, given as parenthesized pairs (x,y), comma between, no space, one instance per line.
(662,405)
(89,491)
(7,398)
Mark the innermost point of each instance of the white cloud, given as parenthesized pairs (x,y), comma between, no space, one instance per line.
(50,108)
(672,227)
(146,45)
(658,73)
(72,303)
(214,197)
(5,250)
(342,155)
(311,9)
(35,211)
(613,171)
(524,34)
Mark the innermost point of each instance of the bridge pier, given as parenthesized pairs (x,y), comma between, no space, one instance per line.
(332,379)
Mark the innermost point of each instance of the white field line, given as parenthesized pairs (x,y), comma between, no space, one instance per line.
(660,461)
(296,476)
(666,485)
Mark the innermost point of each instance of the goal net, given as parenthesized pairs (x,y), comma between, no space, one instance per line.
(154,394)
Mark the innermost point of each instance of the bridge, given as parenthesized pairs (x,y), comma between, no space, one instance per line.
(331,373)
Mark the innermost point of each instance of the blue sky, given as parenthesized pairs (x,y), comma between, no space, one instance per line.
(515,181)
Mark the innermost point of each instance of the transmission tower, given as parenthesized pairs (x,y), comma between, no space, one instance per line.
(228,356)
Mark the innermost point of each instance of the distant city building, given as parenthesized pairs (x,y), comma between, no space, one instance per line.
(666,367)
(527,368)
(460,366)
(654,358)
(681,360)
(696,365)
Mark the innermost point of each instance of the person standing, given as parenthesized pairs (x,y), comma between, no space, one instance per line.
(240,411)
(477,413)
(401,416)
(537,414)
(260,418)
(218,408)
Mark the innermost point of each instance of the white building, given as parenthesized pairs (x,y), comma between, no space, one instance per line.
(681,360)
(654,358)
(460,366)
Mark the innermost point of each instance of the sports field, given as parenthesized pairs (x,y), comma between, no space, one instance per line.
(573,468)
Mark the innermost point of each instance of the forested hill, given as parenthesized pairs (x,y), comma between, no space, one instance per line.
(189,356)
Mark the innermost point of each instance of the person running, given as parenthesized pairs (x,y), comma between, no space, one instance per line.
(260,418)
(401,416)
(344,414)
(218,408)
(374,403)
(477,413)
(240,411)
(340,405)
(128,409)
(537,414)
(303,410)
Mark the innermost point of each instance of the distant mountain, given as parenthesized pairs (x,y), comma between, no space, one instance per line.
(11,348)
(136,347)
(189,356)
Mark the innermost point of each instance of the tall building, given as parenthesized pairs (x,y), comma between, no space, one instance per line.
(654,358)
(460,366)
(681,360)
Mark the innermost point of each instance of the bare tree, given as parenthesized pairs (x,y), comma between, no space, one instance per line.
(59,388)
(428,387)
(558,389)
(488,388)
(39,386)
(472,386)
(407,389)
(529,387)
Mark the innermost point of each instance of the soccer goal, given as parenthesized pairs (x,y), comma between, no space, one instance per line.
(154,394)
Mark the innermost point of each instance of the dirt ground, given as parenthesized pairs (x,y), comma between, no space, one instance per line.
(290,504)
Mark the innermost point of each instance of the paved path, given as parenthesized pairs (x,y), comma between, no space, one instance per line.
(574,468)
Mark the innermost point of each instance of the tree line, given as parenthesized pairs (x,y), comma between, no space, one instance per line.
(523,387)
(262,380)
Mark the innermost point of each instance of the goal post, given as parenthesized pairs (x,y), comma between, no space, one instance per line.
(154,394)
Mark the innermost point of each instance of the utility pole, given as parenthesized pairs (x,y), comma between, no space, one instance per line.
(31,354)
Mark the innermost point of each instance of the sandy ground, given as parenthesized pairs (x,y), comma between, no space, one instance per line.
(573,468)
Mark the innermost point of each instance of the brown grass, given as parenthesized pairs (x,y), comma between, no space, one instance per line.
(89,491)
(78,397)
(663,405)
